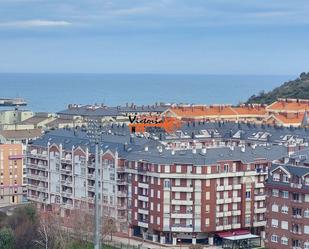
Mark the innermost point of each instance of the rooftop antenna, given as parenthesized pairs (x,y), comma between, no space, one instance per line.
(93,132)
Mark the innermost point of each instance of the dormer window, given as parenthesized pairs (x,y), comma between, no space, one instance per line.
(276,177)
(307,181)
(285,178)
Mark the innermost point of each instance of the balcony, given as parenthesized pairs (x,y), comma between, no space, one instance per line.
(259,210)
(220,201)
(182,202)
(228,187)
(237,186)
(259,185)
(296,185)
(236,226)
(142,224)
(66,170)
(143,211)
(260,197)
(91,188)
(38,156)
(236,199)
(142,185)
(178,215)
(236,212)
(259,223)
(219,228)
(121,182)
(220,188)
(182,189)
(182,228)
(143,198)
(122,194)
(219,214)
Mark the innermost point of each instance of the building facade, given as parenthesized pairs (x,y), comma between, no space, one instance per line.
(12,173)
(288,207)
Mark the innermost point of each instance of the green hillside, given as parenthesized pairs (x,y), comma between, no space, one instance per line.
(297,89)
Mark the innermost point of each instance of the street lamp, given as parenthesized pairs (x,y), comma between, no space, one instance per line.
(93,132)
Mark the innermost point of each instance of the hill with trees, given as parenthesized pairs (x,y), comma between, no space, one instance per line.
(296,89)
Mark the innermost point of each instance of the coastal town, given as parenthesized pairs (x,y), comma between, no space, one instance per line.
(194,176)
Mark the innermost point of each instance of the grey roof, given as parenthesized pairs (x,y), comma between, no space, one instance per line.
(294,170)
(135,149)
(101,111)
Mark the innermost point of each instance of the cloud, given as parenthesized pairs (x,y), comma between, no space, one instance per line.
(34,23)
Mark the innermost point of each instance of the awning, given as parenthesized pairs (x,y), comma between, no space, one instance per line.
(232,233)
(242,237)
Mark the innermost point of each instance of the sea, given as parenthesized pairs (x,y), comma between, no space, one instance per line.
(53,92)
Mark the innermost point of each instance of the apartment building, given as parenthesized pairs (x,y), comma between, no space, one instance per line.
(288,205)
(61,177)
(12,173)
(168,196)
(181,196)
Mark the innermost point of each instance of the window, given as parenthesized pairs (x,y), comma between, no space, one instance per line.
(226,168)
(207,222)
(306,197)
(178,169)
(306,245)
(167,169)
(284,225)
(151,193)
(285,209)
(285,178)
(275,192)
(284,241)
(248,194)
(158,207)
(276,177)
(306,229)
(247,219)
(158,220)
(306,213)
(198,170)
(307,181)
(285,194)
(274,238)
(274,223)
(274,208)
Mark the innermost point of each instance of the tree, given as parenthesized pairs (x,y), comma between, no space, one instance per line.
(23,222)
(109,228)
(6,238)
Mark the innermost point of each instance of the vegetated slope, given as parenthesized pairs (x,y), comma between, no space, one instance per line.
(296,89)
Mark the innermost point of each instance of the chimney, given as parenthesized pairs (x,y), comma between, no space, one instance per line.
(160,149)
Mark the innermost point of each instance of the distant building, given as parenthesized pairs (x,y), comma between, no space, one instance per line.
(12,174)
(13,117)
(106,114)
(19,136)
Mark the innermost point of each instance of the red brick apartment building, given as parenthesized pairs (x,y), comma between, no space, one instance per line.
(288,206)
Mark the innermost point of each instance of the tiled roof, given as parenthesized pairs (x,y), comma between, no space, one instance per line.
(218,110)
(289,105)
(21,134)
